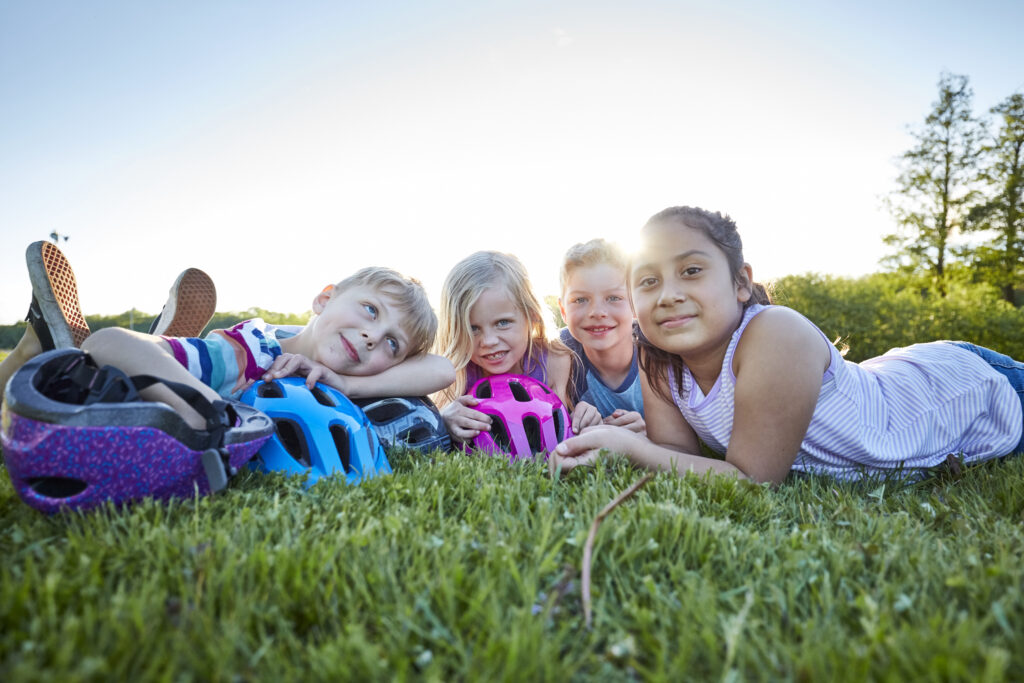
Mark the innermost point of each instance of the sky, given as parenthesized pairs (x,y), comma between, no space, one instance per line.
(281,146)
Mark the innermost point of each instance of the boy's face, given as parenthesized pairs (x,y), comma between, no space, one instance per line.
(596,308)
(357,331)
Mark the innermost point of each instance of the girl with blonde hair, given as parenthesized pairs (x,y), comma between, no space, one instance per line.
(491,323)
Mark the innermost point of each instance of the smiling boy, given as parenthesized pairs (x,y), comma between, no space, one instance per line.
(369,337)
(599,329)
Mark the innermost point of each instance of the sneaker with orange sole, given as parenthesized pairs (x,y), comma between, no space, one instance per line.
(55,314)
(189,308)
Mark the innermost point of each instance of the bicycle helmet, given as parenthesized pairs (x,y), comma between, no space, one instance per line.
(75,435)
(316,431)
(407,422)
(527,417)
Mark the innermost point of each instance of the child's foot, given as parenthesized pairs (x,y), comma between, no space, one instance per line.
(191,304)
(54,314)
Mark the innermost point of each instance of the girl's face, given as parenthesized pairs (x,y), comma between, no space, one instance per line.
(501,332)
(686,298)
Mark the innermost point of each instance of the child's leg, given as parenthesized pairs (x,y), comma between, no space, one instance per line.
(191,304)
(136,353)
(1009,368)
(28,348)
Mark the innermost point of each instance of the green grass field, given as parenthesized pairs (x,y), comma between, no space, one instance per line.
(460,568)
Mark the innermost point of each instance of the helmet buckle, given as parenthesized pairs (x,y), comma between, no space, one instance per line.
(216,464)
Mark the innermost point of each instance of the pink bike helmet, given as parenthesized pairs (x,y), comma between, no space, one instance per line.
(527,417)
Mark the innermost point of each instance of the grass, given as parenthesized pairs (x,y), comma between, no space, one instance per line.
(468,568)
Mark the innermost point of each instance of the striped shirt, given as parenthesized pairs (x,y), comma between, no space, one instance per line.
(910,408)
(227,360)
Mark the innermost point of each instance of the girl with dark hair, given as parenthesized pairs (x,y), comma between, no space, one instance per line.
(763,386)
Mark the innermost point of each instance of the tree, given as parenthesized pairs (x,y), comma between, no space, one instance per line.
(935,185)
(1002,258)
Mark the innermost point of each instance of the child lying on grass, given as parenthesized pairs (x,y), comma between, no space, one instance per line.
(369,337)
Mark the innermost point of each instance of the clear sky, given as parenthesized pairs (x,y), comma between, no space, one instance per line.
(281,145)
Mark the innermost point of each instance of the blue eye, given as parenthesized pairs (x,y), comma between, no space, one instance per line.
(580,300)
(614,298)
(474,329)
(503,323)
(371,309)
(394,345)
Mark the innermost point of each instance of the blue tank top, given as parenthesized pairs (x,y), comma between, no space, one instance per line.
(588,385)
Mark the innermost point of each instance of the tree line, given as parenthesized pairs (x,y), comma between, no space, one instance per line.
(957,203)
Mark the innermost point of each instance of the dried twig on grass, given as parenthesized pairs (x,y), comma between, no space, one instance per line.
(588,548)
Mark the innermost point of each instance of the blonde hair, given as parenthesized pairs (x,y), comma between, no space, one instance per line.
(465,283)
(408,297)
(591,253)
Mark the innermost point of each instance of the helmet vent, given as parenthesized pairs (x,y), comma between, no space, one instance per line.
(57,487)
(500,433)
(416,434)
(531,425)
(340,436)
(556,417)
(484,390)
(293,440)
(519,392)
(269,390)
(322,398)
(386,411)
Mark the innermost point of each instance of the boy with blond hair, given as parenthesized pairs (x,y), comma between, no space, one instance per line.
(599,321)
(369,337)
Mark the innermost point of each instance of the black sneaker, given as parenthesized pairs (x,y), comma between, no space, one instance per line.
(54,314)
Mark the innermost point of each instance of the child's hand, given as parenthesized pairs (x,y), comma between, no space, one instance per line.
(289,364)
(630,419)
(591,445)
(583,416)
(462,421)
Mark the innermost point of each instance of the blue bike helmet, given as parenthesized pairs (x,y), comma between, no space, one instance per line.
(407,422)
(76,435)
(317,431)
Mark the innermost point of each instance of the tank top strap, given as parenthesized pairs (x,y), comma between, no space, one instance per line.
(748,315)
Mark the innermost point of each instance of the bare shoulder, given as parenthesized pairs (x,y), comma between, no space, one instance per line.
(782,333)
(559,361)
(559,364)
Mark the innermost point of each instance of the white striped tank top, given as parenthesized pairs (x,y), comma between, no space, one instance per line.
(909,408)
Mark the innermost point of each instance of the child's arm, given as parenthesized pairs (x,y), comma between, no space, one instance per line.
(416,376)
(779,365)
(630,419)
(462,422)
(669,445)
(559,371)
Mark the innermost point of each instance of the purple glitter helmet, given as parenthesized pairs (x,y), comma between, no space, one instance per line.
(527,417)
(75,435)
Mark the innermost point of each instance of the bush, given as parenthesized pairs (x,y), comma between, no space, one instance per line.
(875,313)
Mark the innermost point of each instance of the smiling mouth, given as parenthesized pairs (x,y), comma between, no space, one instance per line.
(676,321)
(495,357)
(598,330)
(349,349)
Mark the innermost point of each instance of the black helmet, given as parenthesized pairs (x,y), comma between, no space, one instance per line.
(407,422)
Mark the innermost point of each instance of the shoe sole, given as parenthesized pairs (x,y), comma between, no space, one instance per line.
(55,289)
(190,306)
